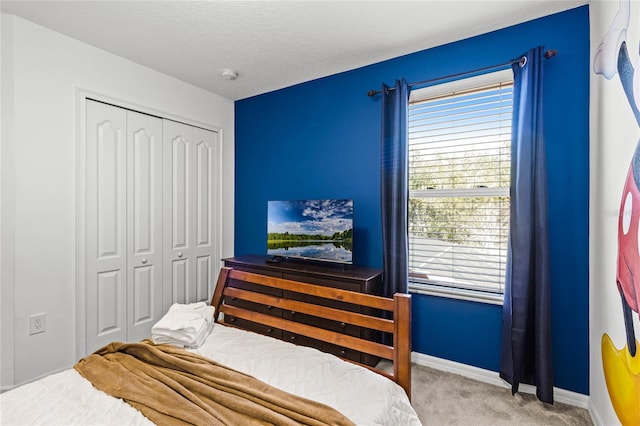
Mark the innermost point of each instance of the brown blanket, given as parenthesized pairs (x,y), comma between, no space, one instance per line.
(171,386)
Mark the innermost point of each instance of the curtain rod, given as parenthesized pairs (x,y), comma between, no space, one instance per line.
(548,54)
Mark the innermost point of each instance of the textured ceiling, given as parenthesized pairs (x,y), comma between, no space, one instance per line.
(272,44)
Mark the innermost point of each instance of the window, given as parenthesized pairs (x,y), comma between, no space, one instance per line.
(459,179)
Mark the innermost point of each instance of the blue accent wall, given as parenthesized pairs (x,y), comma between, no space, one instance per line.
(320,139)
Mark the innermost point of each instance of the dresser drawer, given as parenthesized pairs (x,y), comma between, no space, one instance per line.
(252,326)
(336,350)
(324,281)
(255,307)
(340,327)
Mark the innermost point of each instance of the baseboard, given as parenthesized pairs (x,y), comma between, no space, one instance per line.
(493,378)
(10,387)
(593,412)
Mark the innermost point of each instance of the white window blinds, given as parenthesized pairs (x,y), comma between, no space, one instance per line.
(459,178)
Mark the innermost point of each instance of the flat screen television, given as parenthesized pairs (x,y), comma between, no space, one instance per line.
(311,229)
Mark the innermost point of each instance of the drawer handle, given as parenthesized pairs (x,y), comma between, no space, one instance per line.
(232,320)
(343,352)
(269,307)
(292,338)
(293,313)
(269,330)
(233,298)
(343,325)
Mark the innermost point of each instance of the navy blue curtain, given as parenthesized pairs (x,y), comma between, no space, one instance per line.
(394,192)
(526,332)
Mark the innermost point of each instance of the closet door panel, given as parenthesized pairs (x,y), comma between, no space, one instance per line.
(203,278)
(179,279)
(180,167)
(144,213)
(205,147)
(142,191)
(179,213)
(190,182)
(109,285)
(203,193)
(109,190)
(143,295)
(106,227)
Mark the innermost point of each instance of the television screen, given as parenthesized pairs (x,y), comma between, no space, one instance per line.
(311,229)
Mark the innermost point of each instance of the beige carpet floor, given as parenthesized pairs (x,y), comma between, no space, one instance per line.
(442,398)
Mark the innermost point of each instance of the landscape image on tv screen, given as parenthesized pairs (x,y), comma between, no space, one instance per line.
(311,229)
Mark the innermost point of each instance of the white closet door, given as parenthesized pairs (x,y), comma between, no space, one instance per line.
(178,192)
(144,220)
(123,224)
(151,191)
(106,227)
(189,194)
(205,254)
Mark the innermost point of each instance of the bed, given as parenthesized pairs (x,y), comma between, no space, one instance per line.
(364,395)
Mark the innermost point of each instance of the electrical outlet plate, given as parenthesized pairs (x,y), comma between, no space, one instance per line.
(37,323)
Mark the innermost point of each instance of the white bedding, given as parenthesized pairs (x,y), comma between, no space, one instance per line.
(363,396)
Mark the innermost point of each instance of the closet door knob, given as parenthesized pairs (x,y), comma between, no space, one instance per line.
(180,254)
(144,260)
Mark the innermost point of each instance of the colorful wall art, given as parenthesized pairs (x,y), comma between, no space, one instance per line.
(617,58)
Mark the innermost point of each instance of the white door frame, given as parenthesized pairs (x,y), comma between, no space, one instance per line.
(81,98)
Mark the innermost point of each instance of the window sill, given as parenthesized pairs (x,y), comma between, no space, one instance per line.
(455,293)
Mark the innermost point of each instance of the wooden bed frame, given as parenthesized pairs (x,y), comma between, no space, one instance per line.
(400,308)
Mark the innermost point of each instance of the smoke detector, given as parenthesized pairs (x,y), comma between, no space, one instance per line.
(229,74)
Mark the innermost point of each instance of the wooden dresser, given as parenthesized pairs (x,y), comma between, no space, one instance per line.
(347,277)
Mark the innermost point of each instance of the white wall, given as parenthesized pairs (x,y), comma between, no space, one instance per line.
(41,72)
(614,135)
(6,217)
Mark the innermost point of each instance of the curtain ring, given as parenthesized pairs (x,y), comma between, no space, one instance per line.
(522,62)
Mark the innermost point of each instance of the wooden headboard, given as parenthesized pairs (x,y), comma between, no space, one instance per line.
(399,308)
